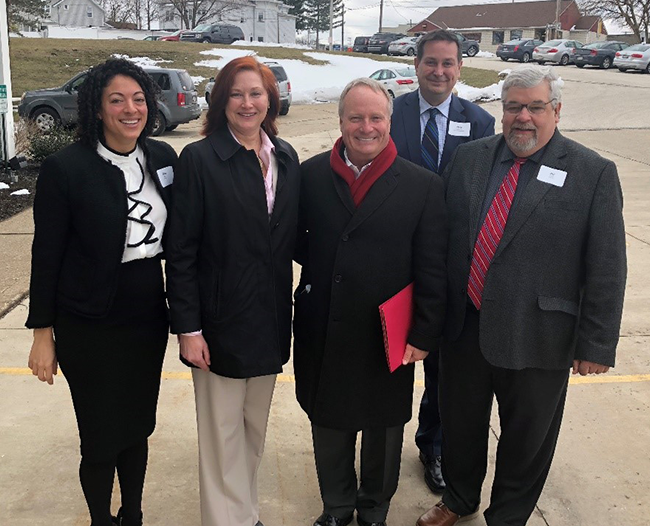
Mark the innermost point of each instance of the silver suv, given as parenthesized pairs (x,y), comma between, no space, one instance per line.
(284,86)
(177,103)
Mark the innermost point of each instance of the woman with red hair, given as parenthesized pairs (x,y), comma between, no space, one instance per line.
(229,274)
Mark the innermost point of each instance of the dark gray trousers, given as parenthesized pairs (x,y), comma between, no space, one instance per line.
(381,452)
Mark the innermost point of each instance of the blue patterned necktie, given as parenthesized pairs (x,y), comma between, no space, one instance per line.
(431,142)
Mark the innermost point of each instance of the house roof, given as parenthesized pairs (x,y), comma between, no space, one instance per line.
(587,22)
(59,2)
(516,14)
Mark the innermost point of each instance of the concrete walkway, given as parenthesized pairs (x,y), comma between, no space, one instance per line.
(601,472)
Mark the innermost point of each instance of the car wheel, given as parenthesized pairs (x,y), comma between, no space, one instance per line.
(472,51)
(46,118)
(564,60)
(541,62)
(171,128)
(284,108)
(647,68)
(525,57)
(607,63)
(160,125)
(622,70)
(410,52)
(206,40)
(505,59)
(580,65)
(207,98)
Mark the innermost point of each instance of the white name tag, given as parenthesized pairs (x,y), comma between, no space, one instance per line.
(460,129)
(551,176)
(166,176)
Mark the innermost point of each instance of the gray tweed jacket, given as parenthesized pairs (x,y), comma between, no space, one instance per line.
(554,291)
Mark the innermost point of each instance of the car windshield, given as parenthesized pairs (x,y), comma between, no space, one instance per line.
(186,80)
(638,47)
(202,27)
(406,72)
(360,40)
(554,43)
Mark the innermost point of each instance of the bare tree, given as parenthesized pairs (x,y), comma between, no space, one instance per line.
(118,10)
(635,14)
(193,12)
(150,11)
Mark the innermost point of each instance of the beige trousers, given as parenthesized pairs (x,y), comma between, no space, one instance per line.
(231,416)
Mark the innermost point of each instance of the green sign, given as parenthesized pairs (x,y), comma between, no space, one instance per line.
(3,99)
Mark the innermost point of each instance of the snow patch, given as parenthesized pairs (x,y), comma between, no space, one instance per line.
(492,92)
(24,191)
(487,54)
(143,62)
(4,186)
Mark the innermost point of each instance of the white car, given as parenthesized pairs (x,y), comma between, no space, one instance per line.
(404,46)
(560,51)
(397,80)
(633,57)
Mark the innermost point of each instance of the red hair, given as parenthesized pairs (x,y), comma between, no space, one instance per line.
(216,116)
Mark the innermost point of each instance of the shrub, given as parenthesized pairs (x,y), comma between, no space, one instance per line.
(43,143)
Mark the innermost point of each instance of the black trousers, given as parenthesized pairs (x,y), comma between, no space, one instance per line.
(428,437)
(381,452)
(531,403)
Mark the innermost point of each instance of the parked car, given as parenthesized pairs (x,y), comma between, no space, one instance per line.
(404,46)
(152,37)
(559,51)
(284,86)
(470,47)
(599,54)
(361,44)
(379,42)
(634,57)
(177,103)
(397,80)
(176,36)
(215,33)
(519,49)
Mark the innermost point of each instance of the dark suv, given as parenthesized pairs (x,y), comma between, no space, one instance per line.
(521,50)
(379,42)
(361,44)
(177,103)
(470,47)
(215,33)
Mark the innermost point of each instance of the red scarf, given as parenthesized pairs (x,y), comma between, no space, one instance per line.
(360,186)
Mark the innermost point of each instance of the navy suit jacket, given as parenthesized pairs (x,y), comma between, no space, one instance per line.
(405,127)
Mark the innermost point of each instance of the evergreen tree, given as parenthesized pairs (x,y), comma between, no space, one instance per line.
(299,10)
(27,12)
(318,15)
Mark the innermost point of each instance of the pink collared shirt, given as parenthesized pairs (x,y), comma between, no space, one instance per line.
(267,154)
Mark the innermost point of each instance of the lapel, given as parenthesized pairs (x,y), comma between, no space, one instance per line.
(457,114)
(554,157)
(478,183)
(282,156)
(411,121)
(383,187)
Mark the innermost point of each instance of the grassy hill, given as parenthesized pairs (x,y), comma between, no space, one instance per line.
(49,62)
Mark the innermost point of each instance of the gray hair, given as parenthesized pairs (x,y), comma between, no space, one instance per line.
(375,86)
(529,76)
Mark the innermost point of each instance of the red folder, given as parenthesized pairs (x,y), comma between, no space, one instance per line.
(396,316)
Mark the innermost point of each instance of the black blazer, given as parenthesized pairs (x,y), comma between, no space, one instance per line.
(405,126)
(229,269)
(355,259)
(80,211)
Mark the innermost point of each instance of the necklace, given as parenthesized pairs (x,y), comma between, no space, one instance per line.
(262,167)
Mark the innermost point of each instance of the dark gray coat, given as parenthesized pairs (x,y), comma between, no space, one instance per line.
(229,267)
(355,259)
(554,291)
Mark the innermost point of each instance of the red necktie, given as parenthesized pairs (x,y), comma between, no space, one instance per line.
(491,233)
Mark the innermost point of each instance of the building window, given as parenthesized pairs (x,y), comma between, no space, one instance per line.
(66,7)
(260,39)
(260,18)
(497,37)
(241,20)
(473,36)
(540,34)
(169,16)
(516,34)
(89,11)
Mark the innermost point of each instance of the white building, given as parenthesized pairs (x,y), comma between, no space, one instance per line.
(260,20)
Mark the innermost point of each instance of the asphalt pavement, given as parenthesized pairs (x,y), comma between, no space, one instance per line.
(601,472)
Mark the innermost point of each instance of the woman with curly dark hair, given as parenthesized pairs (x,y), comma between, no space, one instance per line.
(97,299)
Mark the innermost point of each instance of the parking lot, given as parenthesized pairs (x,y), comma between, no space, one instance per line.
(601,472)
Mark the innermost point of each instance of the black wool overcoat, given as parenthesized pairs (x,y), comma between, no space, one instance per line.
(353,260)
(229,265)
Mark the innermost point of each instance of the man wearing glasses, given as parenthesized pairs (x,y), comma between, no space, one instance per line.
(536,278)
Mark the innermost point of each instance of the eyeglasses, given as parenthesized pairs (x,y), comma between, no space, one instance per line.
(534,108)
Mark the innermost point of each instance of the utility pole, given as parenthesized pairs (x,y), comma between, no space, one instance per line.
(557,19)
(381,14)
(7,119)
(331,37)
(342,27)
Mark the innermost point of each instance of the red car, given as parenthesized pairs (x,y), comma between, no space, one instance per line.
(175,37)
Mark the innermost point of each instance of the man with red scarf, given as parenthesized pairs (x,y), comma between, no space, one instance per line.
(370,224)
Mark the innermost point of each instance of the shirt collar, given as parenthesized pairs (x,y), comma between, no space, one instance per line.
(266,145)
(356,171)
(443,107)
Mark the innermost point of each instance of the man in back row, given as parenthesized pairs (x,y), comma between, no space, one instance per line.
(428,125)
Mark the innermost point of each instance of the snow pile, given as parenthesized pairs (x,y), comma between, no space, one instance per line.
(485,54)
(143,62)
(268,44)
(492,92)
(24,191)
(4,186)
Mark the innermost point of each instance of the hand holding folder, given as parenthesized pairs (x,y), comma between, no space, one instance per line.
(396,315)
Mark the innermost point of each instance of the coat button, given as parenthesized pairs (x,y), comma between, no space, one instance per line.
(345,237)
(276,225)
(463,291)
(338,278)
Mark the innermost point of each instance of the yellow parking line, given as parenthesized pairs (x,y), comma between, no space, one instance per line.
(290,378)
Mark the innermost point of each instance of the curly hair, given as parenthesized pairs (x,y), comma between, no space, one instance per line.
(90,127)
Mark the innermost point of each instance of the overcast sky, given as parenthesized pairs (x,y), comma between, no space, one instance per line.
(362,16)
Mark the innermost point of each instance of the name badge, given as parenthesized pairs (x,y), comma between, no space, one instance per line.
(166,176)
(460,129)
(551,176)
